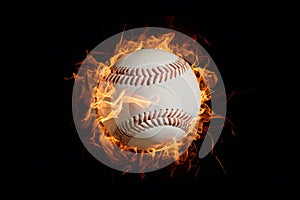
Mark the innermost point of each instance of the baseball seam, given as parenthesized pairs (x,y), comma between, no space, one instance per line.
(143,76)
(151,119)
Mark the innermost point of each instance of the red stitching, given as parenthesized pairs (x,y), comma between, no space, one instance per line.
(141,122)
(130,76)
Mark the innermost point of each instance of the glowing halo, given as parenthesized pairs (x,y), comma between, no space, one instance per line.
(82,97)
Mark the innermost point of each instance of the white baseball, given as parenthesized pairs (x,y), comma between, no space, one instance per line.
(165,79)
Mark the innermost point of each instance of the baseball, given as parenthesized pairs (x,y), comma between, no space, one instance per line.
(168,83)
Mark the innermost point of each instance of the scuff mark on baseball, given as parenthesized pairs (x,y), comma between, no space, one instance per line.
(170,83)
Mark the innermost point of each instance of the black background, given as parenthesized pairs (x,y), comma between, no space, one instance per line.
(247,46)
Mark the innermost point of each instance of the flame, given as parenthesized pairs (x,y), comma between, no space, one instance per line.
(107,110)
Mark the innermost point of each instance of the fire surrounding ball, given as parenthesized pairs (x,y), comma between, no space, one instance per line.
(163,98)
(137,92)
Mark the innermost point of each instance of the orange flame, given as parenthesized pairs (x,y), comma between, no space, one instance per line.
(108,110)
